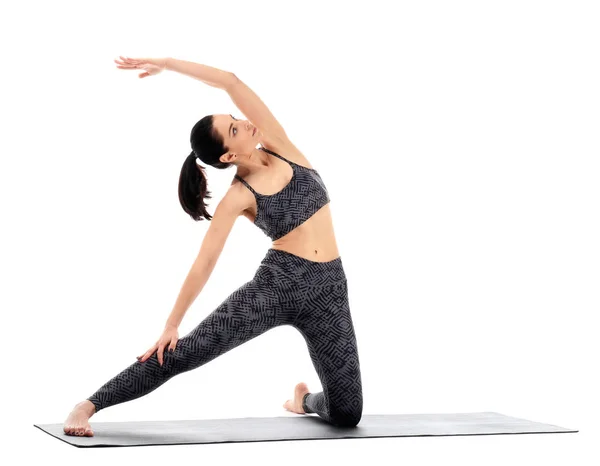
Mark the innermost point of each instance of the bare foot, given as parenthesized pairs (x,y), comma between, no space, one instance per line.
(295,405)
(77,422)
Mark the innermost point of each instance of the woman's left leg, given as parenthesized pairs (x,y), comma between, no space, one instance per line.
(326,324)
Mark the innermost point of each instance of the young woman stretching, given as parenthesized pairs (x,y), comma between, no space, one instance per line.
(300,281)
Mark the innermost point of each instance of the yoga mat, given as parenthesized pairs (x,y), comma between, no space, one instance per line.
(301,427)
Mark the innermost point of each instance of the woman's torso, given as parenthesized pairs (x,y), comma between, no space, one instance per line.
(313,239)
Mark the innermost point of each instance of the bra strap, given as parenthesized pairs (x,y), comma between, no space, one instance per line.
(245,183)
(277,155)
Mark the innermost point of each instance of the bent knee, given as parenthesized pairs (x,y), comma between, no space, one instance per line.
(347,419)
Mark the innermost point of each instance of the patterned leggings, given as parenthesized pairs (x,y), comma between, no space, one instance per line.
(286,290)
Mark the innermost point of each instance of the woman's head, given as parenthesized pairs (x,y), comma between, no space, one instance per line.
(218,141)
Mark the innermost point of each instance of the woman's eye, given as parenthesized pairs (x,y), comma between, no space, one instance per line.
(234,131)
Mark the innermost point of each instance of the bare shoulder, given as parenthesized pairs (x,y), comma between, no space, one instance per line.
(287,149)
(238,198)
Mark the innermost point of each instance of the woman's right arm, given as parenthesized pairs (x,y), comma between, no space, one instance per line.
(226,213)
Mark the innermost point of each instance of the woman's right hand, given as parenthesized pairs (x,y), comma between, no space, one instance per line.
(169,337)
(153,66)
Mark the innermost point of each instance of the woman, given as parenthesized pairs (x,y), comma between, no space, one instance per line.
(300,282)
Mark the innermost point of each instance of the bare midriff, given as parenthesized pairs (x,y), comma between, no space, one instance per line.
(313,240)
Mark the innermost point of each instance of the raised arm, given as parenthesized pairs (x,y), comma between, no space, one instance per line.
(226,213)
(242,96)
(254,109)
(207,74)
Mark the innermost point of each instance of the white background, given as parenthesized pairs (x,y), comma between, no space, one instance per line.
(459,143)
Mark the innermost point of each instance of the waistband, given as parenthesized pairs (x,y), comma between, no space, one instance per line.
(300,269)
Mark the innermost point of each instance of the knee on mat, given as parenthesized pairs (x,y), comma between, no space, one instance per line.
(347,419)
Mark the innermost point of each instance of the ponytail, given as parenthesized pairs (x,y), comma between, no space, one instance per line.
(193,189)
(207,147)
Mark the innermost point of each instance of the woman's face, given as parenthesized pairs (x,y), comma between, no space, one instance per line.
(239,135)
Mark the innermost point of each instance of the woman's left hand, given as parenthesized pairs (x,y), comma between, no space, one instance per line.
(153,66)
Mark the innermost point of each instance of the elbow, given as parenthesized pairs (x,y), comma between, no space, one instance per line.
(230,80)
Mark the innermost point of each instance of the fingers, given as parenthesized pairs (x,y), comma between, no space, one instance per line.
(173,345)
(160,355)
(149,65)
(126,66)
(143,357)
(128,63)
(131,60)
(159,349)
(148,353)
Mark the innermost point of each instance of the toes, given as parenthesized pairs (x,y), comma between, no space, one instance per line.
(79,431)
(73,431)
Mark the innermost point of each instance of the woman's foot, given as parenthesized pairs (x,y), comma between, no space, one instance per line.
(77,422)
(295,405)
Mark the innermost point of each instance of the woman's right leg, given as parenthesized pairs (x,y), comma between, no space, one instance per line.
(248,312)
(327,327)
(325,322)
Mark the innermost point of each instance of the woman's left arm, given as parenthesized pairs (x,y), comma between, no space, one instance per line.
(212,76)
(249,103)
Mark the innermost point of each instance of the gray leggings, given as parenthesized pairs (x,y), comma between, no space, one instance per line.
(286,290)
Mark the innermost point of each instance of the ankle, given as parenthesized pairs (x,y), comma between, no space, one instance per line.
(87,406)
(304,407)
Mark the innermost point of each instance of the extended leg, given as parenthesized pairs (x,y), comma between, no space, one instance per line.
(247,313)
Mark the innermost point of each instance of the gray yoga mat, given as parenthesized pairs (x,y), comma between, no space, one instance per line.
(306,427)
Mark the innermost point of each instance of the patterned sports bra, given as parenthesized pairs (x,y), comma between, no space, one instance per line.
(278,214)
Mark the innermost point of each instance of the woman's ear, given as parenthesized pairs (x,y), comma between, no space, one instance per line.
(227,157)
